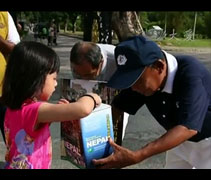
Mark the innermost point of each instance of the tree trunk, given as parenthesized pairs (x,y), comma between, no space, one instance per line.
(126,24)
(73,21)
(74,27)
(194,26)
(105,30)
(59,27)
(88,22)
(65,26)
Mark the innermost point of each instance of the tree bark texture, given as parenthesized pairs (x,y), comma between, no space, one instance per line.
(126,24)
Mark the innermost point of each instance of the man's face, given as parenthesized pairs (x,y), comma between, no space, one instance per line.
(85,70)
(151,80)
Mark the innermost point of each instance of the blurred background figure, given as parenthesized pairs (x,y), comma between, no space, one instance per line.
(55,32)
(9,37)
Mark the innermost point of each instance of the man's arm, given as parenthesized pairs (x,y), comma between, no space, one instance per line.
(6,46)
(169,140)
(123,157)
(13,35)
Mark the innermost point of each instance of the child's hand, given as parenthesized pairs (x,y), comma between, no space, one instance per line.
(97,98)
(63,101)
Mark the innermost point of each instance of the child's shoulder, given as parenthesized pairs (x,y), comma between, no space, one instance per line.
(31,107)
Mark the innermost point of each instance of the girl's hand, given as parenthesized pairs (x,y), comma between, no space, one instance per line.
(63,101)
(97,98)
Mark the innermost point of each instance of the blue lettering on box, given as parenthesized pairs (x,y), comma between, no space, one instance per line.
(95,129)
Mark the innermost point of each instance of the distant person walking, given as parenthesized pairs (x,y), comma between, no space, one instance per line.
(55,29)
(50,35)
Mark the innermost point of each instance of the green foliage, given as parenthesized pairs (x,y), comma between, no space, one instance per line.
(180,21)
(181,42)
(144,19)
(207,21)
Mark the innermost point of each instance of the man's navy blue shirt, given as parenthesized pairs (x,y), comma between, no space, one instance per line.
(188,105)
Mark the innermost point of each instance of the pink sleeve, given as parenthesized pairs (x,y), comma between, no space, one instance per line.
(30,114)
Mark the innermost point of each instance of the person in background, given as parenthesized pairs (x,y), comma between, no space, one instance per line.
(30,80)
(9,37)
(55,29)
(94,61)
(177,92)
(50,35)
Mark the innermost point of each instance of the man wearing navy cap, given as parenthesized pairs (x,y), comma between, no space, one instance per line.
(177,92)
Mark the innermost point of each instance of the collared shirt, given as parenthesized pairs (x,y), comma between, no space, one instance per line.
(185,99)
(109,64)
(172,69)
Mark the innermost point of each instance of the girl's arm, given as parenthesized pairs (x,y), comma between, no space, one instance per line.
(65,112)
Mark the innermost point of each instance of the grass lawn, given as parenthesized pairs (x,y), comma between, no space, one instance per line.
(179,42)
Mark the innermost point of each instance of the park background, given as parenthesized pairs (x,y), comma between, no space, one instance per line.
(187,32)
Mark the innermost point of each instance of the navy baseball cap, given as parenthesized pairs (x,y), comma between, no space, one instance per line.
(132,56)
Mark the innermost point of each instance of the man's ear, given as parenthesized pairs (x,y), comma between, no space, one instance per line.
(101,64)
(100,67)
(159,65)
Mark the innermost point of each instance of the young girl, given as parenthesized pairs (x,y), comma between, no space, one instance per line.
(30,80)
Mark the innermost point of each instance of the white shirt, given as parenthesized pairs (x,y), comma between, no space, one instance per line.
(172,69)
(109,64)
(13,35)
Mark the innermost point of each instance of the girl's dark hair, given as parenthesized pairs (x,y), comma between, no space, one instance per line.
(27,68)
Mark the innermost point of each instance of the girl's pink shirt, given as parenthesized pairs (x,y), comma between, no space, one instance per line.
(27,148)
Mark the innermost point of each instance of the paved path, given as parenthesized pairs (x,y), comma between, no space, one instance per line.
(141,129)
